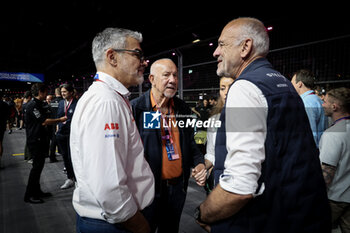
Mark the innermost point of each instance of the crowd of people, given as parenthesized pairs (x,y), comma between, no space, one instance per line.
(276,163)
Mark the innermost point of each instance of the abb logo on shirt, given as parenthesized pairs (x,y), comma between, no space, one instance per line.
(111,126)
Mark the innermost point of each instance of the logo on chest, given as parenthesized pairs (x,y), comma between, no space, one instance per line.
(111,126)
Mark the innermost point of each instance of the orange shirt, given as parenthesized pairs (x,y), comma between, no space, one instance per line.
(170,169)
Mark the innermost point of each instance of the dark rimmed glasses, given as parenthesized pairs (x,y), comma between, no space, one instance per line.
(138,53)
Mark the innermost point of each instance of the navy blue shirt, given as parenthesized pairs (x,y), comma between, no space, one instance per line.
(65,109)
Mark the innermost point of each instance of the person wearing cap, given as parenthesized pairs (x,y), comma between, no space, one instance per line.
(113,180)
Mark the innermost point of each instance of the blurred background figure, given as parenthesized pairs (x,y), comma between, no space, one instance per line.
(303,82)
(66,107)
(225,83)
(4,109)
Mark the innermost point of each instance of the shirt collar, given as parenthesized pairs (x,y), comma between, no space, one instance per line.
(154,104)
(306,93)
(113,83)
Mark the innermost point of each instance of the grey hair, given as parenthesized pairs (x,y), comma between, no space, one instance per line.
(255,29)
(111,38)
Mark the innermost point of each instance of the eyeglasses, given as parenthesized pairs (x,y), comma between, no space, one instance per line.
(138,53)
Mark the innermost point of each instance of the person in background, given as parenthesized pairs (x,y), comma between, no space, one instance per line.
(267,173)
(37,118)
(225,83)
(203,110)
(335,155)
(50,128)
(113,180)
(212,102)
(170,150)
(53,141)
(19,112)
(27,98)
(303,82)
(12,112)
(49,99)
(4,109)
(320,92)
(66,108)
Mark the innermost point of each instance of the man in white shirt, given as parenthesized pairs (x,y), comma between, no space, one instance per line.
(268,180)
(335,155)
(114,181)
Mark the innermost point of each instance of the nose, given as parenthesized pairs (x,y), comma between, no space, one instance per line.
(216,53)
(172,78)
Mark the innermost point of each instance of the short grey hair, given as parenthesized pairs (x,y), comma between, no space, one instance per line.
(255,29)
(111,38)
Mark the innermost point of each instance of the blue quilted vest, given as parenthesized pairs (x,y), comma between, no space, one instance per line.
(295,198)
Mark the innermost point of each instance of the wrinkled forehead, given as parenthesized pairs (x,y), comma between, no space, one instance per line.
(163,66)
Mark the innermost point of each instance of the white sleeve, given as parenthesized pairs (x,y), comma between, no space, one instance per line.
(105,160)
(246,116)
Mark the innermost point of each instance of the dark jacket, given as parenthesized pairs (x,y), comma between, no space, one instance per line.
(37,134)
(64,127)
(191,155)
(295,198)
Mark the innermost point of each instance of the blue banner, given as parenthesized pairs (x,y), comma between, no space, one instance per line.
(23,77)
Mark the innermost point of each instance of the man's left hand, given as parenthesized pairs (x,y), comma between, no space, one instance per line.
(200,174)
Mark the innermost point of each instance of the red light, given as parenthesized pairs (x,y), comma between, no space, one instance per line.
(270,28)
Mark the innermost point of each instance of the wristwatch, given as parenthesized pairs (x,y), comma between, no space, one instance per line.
(197,215)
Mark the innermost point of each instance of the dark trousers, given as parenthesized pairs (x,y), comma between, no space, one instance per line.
(165,212)
(38,152)
(53,144)
(27,155)
(90,225)
(63,144)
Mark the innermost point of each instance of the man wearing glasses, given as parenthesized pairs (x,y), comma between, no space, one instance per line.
(114,181)
(170,149)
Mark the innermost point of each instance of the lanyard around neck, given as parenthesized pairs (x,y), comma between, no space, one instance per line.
(66,106)
(340,119)
(167,128)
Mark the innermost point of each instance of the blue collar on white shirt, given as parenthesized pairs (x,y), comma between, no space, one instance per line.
(112,83)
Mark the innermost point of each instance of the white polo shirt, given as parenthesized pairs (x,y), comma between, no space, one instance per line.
(113,178)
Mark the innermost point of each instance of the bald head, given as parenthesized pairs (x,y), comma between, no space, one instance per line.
(164,79)
(160,64)
(243,28)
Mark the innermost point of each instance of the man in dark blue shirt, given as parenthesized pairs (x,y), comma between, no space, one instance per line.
(66,108)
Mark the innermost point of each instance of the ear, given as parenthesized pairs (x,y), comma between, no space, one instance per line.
(300,84)
(111,57)
(151,78)
(335,107)
(247,47)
